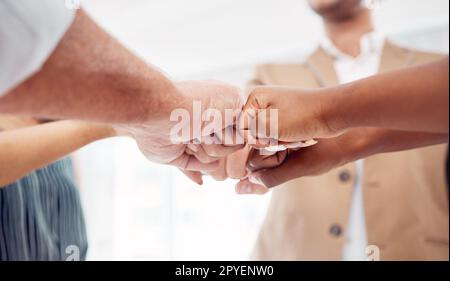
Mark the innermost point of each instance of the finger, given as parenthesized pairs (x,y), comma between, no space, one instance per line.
(254,141)
(214,147)
(296,145)
(220,151)
(236,163)
(260,143)
(189,151)
(247,119)
(258,161)
(274,146)
(247,187)
(255,127)
(220,174)
(248,126)
(248,91)
(192,147)
(228,136)
(289,170)
(203,156)
(195,176)
(191,163)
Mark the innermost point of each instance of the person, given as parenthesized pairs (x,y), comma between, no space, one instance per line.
(41,215)
(395,201)
(58,64)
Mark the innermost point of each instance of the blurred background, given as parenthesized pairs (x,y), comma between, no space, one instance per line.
(139,210)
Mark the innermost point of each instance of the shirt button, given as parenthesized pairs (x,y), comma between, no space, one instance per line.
(344,176)
(335,230)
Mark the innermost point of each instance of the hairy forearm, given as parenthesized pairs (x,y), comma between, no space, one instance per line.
(90,76)
(26,149)
(413,99)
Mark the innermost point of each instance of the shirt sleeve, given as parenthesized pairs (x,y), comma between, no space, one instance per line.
(29,32)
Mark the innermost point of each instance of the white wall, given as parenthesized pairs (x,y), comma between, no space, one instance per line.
(185,37)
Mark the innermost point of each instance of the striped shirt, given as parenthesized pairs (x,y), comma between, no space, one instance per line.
(41,216)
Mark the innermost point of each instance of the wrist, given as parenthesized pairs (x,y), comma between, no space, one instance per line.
(357,144)
(119,131)
(95,131)
(162,104)
(180,99)
(335,111)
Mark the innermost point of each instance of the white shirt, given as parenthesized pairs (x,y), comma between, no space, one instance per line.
(349,69)
(29,31)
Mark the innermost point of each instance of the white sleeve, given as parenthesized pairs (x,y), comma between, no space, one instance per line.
(29,31)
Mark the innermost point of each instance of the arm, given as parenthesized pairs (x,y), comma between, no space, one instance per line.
(411,99)
(91,76)
(329,154)
(26,149)
(414,99)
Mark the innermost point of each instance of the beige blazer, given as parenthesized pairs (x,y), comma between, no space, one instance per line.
(405,194)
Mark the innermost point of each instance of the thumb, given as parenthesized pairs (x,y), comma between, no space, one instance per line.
(256,119)
(195,176)
(287,171)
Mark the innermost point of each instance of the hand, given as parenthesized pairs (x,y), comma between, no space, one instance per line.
(256,161)
(301,114)
(327,154)
(239,164)
(234,166)
(190,153)
(271,171)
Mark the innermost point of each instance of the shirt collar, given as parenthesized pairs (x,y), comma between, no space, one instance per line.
(371,43)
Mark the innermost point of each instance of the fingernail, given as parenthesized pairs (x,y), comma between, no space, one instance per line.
(256,180)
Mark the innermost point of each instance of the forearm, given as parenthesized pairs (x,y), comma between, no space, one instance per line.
(24,150)
(334,152)
(90,76)
(414,99)
(363,142)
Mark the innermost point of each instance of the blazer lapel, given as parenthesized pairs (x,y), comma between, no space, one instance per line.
(394,57)
(321,66)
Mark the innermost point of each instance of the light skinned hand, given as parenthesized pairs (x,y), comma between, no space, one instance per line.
(155,140)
